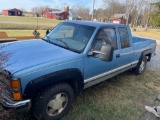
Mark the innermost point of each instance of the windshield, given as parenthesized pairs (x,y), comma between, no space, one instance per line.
(70,36)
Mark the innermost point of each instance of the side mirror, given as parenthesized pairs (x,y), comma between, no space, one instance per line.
(106,53)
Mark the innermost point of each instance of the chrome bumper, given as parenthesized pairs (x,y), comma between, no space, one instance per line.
(9,103)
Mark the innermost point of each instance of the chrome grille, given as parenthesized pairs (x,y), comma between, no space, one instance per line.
(5,90)
(4,80)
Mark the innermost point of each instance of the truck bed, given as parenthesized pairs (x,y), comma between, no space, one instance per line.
(140,44)
(140,39)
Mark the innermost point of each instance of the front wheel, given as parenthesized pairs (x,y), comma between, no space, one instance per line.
(140,68)
(54,102)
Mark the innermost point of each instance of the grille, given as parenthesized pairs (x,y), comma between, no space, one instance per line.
(5,90)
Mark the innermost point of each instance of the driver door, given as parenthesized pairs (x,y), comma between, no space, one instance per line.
(95,67)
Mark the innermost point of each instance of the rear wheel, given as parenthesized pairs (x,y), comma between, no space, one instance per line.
(54,102)
(140,68)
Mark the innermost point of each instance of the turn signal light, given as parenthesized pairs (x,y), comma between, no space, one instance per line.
(16,96)
(15,84)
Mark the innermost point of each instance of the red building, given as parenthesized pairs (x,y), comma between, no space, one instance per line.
(119,18)
(12,12)
(59,15)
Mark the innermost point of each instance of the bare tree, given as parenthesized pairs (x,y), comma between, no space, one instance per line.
(130,5)
(148,9)
(112,7)
(38,10)
(139,6)
(34,11)
(41,10)
(83,12)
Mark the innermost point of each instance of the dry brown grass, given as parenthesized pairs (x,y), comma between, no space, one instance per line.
(151,33)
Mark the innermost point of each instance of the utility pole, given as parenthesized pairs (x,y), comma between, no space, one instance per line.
(37,17)
(37,21)
(93,10)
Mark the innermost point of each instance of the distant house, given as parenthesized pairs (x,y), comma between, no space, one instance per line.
(55,14)
(12,12)
(73,16)
(118,18)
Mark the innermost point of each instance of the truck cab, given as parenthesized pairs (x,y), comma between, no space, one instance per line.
(46,74)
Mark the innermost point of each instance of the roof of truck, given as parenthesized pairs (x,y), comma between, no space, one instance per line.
(95,24)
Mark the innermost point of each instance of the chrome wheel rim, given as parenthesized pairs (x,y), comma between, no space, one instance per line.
(57,104)
(142,66)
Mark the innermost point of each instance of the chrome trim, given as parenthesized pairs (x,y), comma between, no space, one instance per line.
(7,102)
(126,53)
(110,72)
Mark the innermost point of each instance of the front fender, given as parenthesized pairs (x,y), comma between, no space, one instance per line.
(42,82)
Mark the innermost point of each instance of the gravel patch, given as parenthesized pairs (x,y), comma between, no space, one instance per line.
(154,64)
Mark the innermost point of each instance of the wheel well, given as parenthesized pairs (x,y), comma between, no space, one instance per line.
(73,77)
(148,57)
(73,83)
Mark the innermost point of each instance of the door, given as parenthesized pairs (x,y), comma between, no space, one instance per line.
(126,48)
(94,66)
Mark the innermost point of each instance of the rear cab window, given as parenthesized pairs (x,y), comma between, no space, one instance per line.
(124,37)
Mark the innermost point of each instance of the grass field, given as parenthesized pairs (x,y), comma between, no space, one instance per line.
(28,19)
(26,23)
(10,26)
(151,33)
(12,33)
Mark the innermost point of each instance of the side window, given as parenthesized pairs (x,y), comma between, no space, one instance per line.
(124,37)
(105,36)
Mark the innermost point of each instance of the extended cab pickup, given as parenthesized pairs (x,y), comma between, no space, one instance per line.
(46,73)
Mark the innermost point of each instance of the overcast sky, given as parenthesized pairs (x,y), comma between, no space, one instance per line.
(28,4)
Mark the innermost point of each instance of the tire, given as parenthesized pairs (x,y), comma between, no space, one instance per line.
(140,68)
(54,102)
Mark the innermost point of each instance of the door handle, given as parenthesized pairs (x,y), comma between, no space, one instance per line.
(118,55)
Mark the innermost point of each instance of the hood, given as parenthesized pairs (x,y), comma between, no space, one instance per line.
(29,53)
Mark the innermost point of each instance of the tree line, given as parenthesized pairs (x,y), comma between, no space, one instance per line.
(137,12)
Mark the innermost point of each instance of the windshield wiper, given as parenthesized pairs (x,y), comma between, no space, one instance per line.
(47,40)
(63,43)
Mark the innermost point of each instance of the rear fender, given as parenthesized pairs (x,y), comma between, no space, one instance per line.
(147,53)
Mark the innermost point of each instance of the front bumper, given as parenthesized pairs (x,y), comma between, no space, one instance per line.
(20,106)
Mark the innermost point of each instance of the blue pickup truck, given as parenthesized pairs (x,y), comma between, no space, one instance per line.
(46,74)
